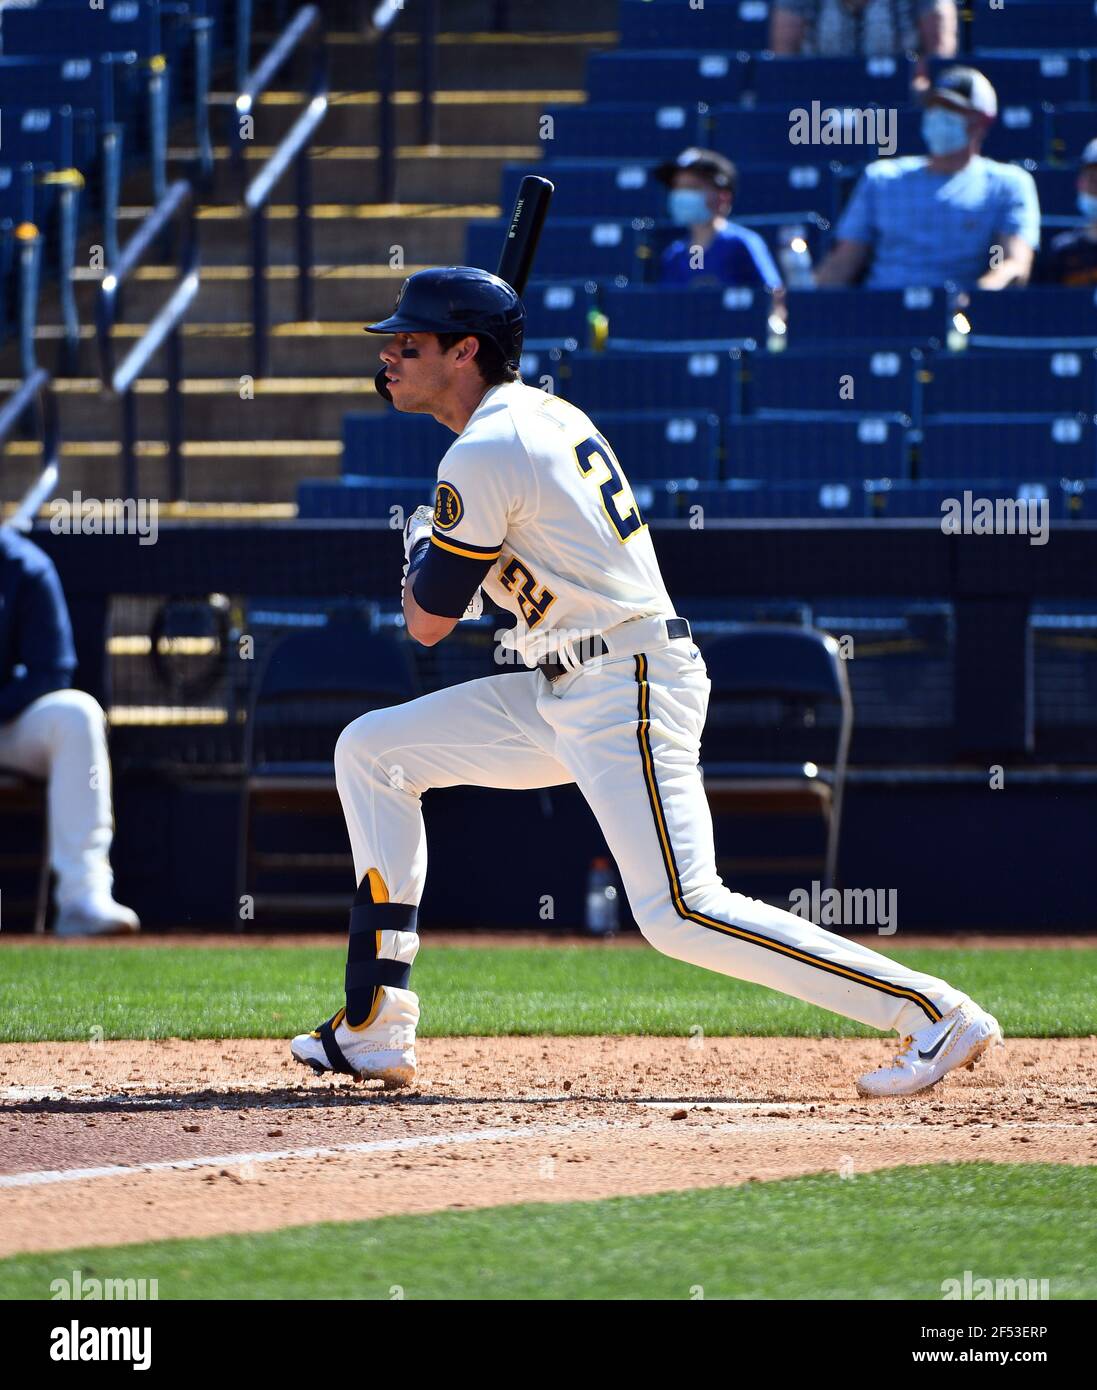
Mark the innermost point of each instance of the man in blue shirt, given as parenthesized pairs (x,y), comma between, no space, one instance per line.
(48,730)
(702,186)
(952,217)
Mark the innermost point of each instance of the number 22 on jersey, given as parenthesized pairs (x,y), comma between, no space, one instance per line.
(597,461)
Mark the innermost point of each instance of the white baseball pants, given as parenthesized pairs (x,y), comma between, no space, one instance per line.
(626,729)
(62,738)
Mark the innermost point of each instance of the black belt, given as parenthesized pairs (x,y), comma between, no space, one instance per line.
(590,647)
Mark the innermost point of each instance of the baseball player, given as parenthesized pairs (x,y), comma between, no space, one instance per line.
(533,507)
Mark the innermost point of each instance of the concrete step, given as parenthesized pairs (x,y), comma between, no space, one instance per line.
(253,471)
(342,233)
(363,292)
(225,350)
(351,173)
(482,117)
(225,408)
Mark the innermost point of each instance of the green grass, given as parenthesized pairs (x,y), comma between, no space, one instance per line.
(64,992)
(887,1235)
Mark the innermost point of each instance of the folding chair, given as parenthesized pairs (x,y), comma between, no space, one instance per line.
(794,672)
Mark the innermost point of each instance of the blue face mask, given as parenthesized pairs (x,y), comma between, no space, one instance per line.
(1087,206)
(944,132)
(688,207)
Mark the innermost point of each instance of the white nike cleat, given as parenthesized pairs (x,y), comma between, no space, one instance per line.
(382,1048)
(958,1039)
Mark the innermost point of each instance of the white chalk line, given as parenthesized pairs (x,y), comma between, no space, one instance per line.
(42,1177)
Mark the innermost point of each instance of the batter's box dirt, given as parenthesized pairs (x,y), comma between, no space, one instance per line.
(130,1141)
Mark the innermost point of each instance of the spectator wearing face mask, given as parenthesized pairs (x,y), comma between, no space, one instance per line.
(701,189)
(864,28)
(1072,256)
(949,217)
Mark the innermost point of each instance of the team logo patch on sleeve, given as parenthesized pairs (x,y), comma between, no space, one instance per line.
(448,507)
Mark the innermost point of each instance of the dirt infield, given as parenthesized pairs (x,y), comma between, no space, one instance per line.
(127,1141)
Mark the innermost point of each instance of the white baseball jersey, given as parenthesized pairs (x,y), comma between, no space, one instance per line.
(531,484)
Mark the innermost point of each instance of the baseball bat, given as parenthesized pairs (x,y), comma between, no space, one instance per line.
(524,231)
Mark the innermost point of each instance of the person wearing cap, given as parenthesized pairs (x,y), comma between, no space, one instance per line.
(949,217)
(1072,256)
(701,188)
(864,28)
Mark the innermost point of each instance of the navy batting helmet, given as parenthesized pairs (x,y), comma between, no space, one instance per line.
(459,299)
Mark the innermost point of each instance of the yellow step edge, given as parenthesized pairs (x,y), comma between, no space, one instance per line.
(282,212)
(213,273)
(456,96)
(218,386)
(262,153)
(194,448)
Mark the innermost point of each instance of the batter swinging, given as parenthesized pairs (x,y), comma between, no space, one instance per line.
(532,505)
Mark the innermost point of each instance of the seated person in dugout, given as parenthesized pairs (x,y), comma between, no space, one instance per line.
(50,731)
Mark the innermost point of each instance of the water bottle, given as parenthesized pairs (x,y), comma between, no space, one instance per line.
(601,899)
(794,259)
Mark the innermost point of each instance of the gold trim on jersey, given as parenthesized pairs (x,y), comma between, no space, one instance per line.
(469,554)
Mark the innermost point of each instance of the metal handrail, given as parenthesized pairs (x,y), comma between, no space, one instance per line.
(306,26)
(383,22)
(121,377)
(37,391)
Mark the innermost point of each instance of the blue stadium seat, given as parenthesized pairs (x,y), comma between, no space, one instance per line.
(1017,77)
(72,27)
(628,130)
(881,381)
(557,312)
(393,445)
(356,498)
(703,315)
(741,499)
(898,498)
(675,24)
(569,246)
(1056,189)
(666,77)
(832,81)
(1028,24)
(1010,382)
(1065,317)
(664,443)
(39,135)
(604,188)
(1072,128)
(85,84)
(597,381)
(786,188)
(823,449)
(1021,447)
(1022,131)
(915,317)
(611,190)
(1078,500)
